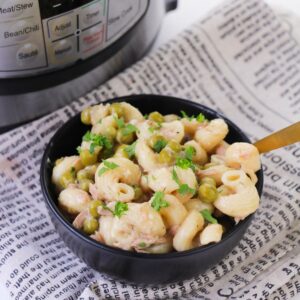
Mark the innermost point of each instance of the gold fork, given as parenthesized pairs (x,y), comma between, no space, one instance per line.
(281,138)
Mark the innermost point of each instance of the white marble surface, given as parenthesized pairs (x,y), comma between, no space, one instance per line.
(189,11)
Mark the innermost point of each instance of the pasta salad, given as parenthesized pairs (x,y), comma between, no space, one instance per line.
(155,183)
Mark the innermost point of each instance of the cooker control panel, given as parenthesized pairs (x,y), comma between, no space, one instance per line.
(40,36)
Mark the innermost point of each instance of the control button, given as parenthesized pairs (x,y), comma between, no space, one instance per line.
(62,26)
(63,49)
(21,30)
(14,8)
(92,14)
(27,54)
(92,39)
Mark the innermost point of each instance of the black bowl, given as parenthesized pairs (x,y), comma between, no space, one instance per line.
(129,266)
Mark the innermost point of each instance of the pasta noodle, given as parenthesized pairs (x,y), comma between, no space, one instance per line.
(155,184)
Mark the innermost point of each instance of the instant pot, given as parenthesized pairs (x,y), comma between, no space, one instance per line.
(53,51)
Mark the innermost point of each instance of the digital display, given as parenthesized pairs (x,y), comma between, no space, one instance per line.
(50,8)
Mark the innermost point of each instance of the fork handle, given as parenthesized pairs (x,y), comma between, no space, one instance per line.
(281,138)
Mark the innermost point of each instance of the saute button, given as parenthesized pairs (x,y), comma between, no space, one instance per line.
(92,14)
(62,49)
(27,54)
(62,26)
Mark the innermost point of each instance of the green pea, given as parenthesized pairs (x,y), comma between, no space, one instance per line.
(110,132)
(120,152)
(209,180)
(86,116)
(90,225)
(84,184)
(156,117)
(87,158)
(138,193)
(93,208)
(125,138)
(67,179)
(166,156)
(207,193)
(116,108)
(175,146)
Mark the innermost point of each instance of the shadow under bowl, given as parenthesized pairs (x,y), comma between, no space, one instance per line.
(129,266)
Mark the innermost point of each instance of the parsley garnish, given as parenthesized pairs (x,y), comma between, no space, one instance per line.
(190,151)
(159,145)
(184,114)
(130,150)
(97,140)
(184,163)
(183,188)
(157,126)
(108,166)
(158,202)
(120,209)
(128,129)
(206,214)
(92,148)
(104,206)
(200,118)
(73,172)
(78,149)
(120,122)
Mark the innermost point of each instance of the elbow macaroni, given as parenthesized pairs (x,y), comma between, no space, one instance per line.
(163,188)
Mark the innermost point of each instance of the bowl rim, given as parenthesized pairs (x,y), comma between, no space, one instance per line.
(117,251)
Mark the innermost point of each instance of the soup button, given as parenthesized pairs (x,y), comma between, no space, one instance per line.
(27,54)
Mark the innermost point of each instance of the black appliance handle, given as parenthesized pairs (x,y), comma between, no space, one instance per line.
(171,5)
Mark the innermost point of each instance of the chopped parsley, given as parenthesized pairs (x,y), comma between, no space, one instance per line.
(128,129)
(78,149)
(73,172)
(120,122)
(120,209)
(183,188)
(96,140)
(184,163)
(158,202)
(130,150)
(200,118)
(159,145)
(157,126)
(184,114)
(108,165)
(190,151)
(206,214)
